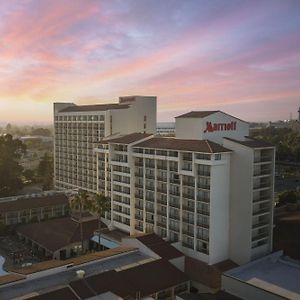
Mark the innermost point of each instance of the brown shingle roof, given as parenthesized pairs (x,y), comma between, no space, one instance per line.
(60,294)
(198,114)
(159,246)
(128,139)
(34,202)
(96,107)
(204,146)
(146,279)
(57,233)
(252,143)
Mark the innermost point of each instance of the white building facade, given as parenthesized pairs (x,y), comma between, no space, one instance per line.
(209,190)
(78,130)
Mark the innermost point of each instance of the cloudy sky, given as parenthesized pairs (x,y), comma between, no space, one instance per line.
(240,56)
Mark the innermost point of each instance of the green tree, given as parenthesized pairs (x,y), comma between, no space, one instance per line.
(288,197)
(78,202)
(99,204)
(45,172)
(11,151)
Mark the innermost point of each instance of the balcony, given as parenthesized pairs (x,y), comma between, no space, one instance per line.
(202,237)
(188,232)
(139,185)
(203,212)
(162,190)
(174,204)
(139,217)
(150,209)
(188,221)
(203,225)
(174,228)
(150,187)
(162,201)
(139,206)
(188,208)
(188,183)
(161,224)
(162,213)
(260,224)
(149,220)
(189,196)
(263,210)
(260,236)
(174,216)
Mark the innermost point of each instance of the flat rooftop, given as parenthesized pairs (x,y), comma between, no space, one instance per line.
(273,273)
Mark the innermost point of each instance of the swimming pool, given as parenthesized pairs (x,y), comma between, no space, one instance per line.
(105,242)
(2,260)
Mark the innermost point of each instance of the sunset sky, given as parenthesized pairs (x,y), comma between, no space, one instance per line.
(240,56)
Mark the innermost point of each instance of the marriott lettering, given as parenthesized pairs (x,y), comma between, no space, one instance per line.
(211,127)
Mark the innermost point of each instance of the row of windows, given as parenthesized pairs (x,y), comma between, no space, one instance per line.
(80,118)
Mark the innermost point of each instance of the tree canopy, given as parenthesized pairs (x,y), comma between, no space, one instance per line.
(11,151)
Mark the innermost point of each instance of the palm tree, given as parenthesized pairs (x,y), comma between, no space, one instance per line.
(99,204)
(78,202)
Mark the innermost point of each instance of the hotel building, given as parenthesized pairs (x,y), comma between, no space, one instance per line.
(209,190)
(79,128)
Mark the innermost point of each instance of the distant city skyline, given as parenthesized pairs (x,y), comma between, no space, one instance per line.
(242,57)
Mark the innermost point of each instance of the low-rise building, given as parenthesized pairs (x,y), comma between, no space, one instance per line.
(273,277)
(30,208)
(59,238)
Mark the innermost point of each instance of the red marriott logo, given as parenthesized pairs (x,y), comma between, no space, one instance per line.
(211,127)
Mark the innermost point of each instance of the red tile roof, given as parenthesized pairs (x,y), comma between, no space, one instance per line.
(159,246)
(34,202)
(58,233)
(252,143)
(203,146)
(198,114)
(96,107)
(145,279)
(127,139)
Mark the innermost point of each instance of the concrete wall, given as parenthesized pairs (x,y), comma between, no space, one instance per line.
(240,202)
(219,211)
(194,128)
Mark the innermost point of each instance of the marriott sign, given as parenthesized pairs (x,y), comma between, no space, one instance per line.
(211,127)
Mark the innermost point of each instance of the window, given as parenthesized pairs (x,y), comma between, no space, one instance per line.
(218,156)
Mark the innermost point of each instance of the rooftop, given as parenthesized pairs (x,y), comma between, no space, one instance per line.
(95,107)
(251,143)
(127,139)
(146,279)
(198,114)
(58,233)
(273,273)
(76,261)
(159,246)
(64,293)
(23,203)
(203,146)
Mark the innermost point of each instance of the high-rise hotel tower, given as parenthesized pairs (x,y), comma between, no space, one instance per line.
(79,128)
(208,190)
